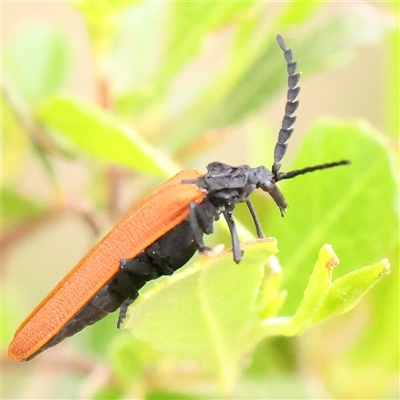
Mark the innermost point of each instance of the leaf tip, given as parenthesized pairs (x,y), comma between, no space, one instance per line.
(386,268)
(328,258)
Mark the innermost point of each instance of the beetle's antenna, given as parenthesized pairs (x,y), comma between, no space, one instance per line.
(288,120)
(291,174)
(291,106)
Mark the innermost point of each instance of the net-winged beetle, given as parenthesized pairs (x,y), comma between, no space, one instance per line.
(157,237)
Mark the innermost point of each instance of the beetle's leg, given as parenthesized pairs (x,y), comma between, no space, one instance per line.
(139,268)
(237,252)
(133,275)
(123,311)
(196,229)
(260,233)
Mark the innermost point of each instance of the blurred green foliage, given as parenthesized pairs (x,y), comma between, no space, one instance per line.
(214,329)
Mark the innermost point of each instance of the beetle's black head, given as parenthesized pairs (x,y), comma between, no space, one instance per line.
(226,185)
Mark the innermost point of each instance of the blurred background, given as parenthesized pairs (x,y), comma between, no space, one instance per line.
(192,83)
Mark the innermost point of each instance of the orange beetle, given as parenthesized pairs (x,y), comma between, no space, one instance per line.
(157,237)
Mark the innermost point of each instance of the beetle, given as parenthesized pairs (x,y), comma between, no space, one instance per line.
(139,248)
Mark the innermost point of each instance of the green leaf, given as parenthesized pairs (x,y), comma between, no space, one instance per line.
(136,54)
(102,20)
(188,31)
(392,84)
(343,206)
(252,73)
(314,294)
(335,41)
(346,292)
(37,62)
(130,358)
(355,208)
(102,135)
(15,144)
(254,76)
(323,299)
(17,208)
(183,36)
(95,8)
(204,312)
(111,392)
(272,297)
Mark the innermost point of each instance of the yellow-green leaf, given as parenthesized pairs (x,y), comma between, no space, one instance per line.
(102,135)
(204,312)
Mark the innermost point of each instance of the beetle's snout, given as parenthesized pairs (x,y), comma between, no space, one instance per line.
(270,187)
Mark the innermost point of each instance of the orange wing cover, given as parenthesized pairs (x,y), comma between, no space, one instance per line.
(154,216)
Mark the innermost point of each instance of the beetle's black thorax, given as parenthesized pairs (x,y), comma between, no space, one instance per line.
(226,185)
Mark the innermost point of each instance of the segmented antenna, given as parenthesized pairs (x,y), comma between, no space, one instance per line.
(291,174)
(291,106)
